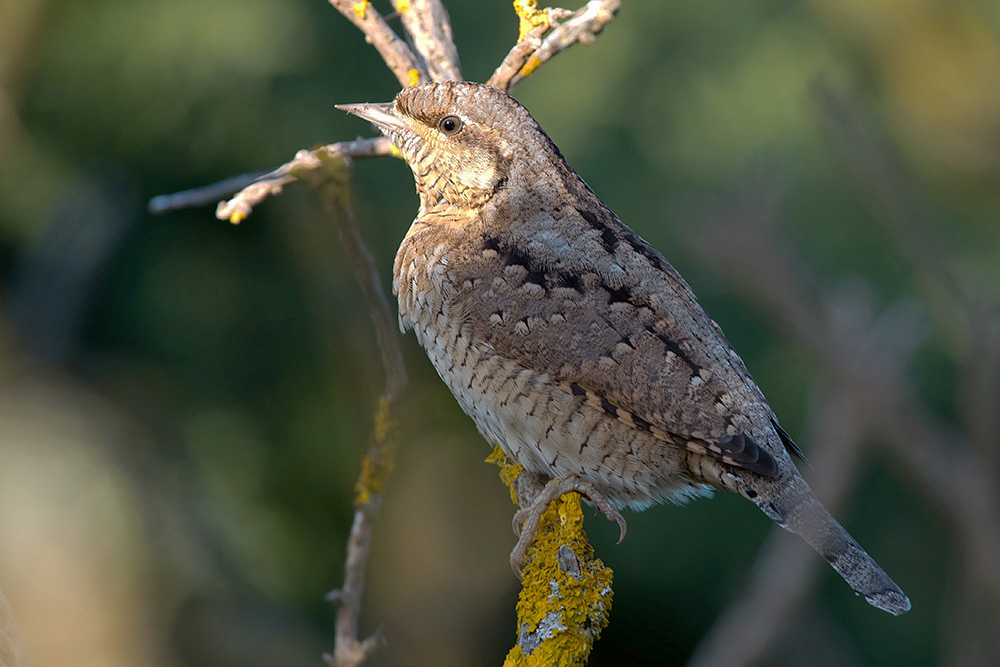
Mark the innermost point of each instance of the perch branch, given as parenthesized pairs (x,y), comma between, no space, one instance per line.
(396,54)
(565,594)
(534,47)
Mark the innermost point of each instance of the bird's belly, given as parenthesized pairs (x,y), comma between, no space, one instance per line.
(546,428)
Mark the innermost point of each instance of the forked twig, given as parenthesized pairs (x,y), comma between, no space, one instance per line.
(396,54)
(532,49)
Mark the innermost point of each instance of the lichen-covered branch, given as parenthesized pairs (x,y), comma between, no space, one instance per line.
(566,593)
(542,36)
(428,26)
(396,53)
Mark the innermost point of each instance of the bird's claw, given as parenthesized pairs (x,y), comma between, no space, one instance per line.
(526,519)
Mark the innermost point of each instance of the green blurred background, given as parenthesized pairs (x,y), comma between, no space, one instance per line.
(184,403)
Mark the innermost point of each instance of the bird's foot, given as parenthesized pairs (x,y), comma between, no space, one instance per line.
(526,520)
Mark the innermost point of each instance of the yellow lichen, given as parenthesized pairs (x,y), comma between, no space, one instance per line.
(412,77)
(383,422)
(236,217)
(509,470)
(568,610)
(361,8)
(402,6)
(531,65)
(377,465)
(530,17)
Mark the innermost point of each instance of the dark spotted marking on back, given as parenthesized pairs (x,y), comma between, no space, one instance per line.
(565,279)
(609,407)
(673,346)
(491,243)
(577,389)
(514,256)
(595,219)
(537,273)
(619,295)
(641,424)
(643,248)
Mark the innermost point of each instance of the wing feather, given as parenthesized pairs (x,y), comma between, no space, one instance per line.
(640,346)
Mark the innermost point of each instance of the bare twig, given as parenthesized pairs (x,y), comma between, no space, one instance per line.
(531,50)
(331,182)
(256,187)
(397,55)
(428,25)
(206,194)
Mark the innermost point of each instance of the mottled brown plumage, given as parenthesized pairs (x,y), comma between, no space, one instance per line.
(570,341)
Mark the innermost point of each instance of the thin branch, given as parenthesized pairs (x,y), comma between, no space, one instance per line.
(428,25)
(204,195)
(331,181)
(398,56)
(531,50)
(256,187)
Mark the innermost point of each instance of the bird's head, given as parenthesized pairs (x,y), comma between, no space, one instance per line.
(459,138)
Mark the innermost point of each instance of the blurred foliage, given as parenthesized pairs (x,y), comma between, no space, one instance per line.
(185,403)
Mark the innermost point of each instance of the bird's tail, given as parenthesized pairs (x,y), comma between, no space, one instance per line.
(794,507)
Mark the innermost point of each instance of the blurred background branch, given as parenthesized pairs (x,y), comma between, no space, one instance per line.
(867,355)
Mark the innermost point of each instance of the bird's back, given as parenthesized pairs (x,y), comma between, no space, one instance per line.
(570,341)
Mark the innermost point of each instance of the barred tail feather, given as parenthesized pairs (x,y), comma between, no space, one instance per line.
(796,509)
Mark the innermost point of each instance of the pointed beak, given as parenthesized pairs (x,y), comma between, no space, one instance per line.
(381,116)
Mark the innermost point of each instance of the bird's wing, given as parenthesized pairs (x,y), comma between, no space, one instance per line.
(578,295)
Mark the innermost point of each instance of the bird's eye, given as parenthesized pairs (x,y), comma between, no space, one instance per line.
(450,125)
